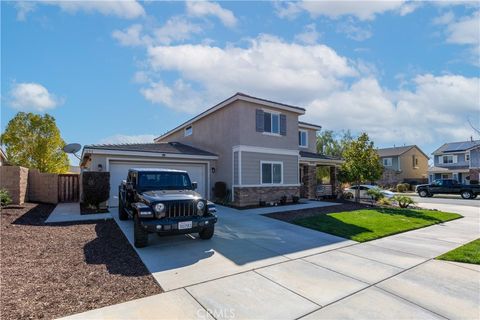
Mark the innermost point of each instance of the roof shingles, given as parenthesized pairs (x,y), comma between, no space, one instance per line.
(169,147)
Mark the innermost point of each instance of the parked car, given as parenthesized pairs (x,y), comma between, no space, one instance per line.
(350,192)
(164,201)
(448,186)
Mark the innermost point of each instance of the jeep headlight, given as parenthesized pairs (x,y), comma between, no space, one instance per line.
(159,207)
(200,206)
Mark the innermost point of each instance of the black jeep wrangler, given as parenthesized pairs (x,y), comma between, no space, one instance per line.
(164,201)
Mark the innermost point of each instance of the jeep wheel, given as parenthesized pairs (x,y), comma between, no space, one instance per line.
(475,196)
(140,235)
(423,193)
(207,233)
(467,194)
(122,214)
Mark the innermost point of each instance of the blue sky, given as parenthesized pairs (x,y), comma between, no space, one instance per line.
(116,72)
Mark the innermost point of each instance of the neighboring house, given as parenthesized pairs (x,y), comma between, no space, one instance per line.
(259,148)
(457,160)
(403,164)
(3,158)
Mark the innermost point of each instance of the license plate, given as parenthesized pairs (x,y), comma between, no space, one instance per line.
(185,225)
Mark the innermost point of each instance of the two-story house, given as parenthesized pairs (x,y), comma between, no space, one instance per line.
(403,164)
(259,148)
(457,160)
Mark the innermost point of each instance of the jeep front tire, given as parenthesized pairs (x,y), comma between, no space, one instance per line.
(423,193)
(140,235)
(207,233)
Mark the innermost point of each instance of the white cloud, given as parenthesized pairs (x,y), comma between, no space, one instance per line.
(362,10)
(131,36)
(353,31)
(207,8)
(266,67)
(310,34)
(123,139)
(465,30)
(32,97)
(176,29)
(127,9)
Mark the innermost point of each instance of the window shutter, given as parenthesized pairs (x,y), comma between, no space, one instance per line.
(259,120)
(440,159)
(283,125)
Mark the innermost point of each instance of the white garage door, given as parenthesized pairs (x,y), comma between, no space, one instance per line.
(119,169)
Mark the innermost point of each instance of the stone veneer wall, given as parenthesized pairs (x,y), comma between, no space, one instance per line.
(390,178)
(245,196)
(42,187)
(15,180)
(474,176)
(309,180)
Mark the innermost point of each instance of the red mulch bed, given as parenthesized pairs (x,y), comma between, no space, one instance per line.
(344,205)
(49,271)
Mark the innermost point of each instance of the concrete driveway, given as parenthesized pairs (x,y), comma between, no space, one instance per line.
(259,268)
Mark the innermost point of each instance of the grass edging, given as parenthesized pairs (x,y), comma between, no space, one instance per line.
(468,253)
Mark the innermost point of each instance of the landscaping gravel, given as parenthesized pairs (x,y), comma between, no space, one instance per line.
(49,271)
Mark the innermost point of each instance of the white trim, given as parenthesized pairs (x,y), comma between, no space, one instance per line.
(233,174)
(227,102)
(265,150)
(306,138)
(240,167)
(389,160)
(267,185)
(272,163)
(147,154)
(309,126)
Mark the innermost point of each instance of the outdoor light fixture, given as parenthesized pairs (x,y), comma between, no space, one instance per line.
(100,167)
(213,169)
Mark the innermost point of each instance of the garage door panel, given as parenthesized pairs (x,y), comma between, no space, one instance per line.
(119,169)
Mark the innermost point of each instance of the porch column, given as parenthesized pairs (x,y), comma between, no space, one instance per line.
(310,181)
(333,179)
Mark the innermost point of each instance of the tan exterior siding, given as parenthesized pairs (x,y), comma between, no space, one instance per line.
(236,168)
(312,141)
(409,171)
(251,167)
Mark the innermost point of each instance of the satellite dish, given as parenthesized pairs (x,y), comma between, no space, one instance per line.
(72,148)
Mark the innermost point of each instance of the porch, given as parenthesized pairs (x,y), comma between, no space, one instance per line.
(318,175)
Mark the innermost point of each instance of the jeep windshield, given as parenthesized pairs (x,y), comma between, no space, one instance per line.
(164,181)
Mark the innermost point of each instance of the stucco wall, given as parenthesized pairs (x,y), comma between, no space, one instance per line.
(15,180)
(407,166)
(251,167)
(42,187)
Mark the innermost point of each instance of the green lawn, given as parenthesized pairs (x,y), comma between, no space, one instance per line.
(468,253)
(368,224)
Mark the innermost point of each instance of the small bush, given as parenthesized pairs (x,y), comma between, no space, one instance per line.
(407,186)
(5,198)
(384,202)
(96,187)
(403,201)
(220,190)
(375,193)
(401,187)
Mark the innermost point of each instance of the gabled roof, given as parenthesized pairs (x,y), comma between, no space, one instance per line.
(460,146)
(224,103)
(170,148)
(397,151)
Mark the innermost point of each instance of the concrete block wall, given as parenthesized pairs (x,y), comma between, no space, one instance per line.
(43,187)
(15,180)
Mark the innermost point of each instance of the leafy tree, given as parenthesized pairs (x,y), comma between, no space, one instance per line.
(34,141)
(333,144)
(362,162)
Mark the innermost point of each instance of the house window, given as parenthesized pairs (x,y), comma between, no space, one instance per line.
(447,159)
(188,131)
(387,162)
(271,172)
(271,122)
(415,161)
(445,176)
(303,138)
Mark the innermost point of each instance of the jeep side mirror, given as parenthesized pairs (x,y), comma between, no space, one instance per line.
(194,185)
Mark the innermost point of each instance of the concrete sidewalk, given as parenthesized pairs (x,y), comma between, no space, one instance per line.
(70,212)
(257,267)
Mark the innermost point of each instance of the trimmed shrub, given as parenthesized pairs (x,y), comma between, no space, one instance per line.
(384,202)
(407,186)
(403,201)
(96,187)
(220,190)
(375,193)
(5,198)
(401,187)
